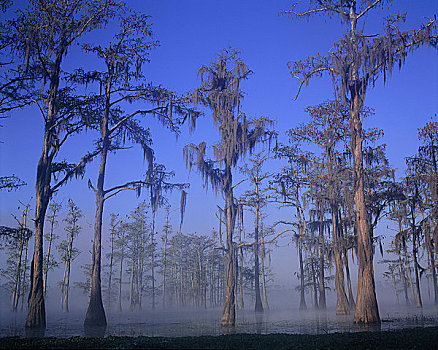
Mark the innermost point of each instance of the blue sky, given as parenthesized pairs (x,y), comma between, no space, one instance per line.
(192,33)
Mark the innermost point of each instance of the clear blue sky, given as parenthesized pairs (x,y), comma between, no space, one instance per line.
(191,33)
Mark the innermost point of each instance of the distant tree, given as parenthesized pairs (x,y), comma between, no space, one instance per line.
(120,254)
(49,260)
(355,63)
(220,92)
(15,272)
(426,164)
(167,230)
(67,251)
(256,199)
(85,286)
(114,227)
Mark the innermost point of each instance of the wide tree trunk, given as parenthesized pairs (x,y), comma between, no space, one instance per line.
(36,314)
(367,310)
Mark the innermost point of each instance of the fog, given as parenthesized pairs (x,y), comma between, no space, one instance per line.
(283,316)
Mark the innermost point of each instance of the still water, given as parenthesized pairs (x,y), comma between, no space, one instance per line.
(207,322)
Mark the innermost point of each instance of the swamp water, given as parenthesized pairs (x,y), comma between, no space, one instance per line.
(175,323)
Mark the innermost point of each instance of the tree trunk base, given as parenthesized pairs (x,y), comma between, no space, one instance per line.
(95,316)
(36,316)
(258,307)
(303,307)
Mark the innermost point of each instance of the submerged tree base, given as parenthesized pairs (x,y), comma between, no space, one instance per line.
(415,338)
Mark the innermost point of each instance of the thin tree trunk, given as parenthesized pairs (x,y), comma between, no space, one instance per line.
(110,269)
(342,304)
(258,300)
(301,224)
(153,260)
(95,316)
(429,244)
(414,255)
(165,257)
(119,296)
(264,287)
(321,285)
(17,282)
(229,309)
(66,285)
(46,270)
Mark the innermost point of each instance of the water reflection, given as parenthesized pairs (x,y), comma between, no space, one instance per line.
(207,322)
(34,332)
(95,331)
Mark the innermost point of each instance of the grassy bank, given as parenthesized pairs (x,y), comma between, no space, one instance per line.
(416,338)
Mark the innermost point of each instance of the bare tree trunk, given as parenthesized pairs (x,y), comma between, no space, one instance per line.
(367,310)
(301,224)
(429,244)
(351,302)
(36,314)
(229,309)
(303,305)
(240,268)
(110,270)
(401,266)
(342,305)
(153,260)
(46,270)
(119,296)
(66,285)
(262,257)
(414,256)
(165,256)
(95,316)
(258,300)
(17,282)
(321,285)
(24,279)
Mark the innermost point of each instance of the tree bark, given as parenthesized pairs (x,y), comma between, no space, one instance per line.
(258,300)
(367,310)
(36,315)
(119,296)
(229,309)
(46,270)
(342,305)
(321,285)
(95,316)
(414,256)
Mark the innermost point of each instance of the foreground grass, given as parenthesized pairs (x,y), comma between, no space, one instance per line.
(416,338)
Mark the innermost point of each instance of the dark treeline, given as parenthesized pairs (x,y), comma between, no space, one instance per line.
(336,183)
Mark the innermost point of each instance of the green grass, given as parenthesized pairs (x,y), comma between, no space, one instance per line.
(415,338)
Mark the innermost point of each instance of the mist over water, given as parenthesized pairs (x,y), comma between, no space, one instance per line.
(282,317)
